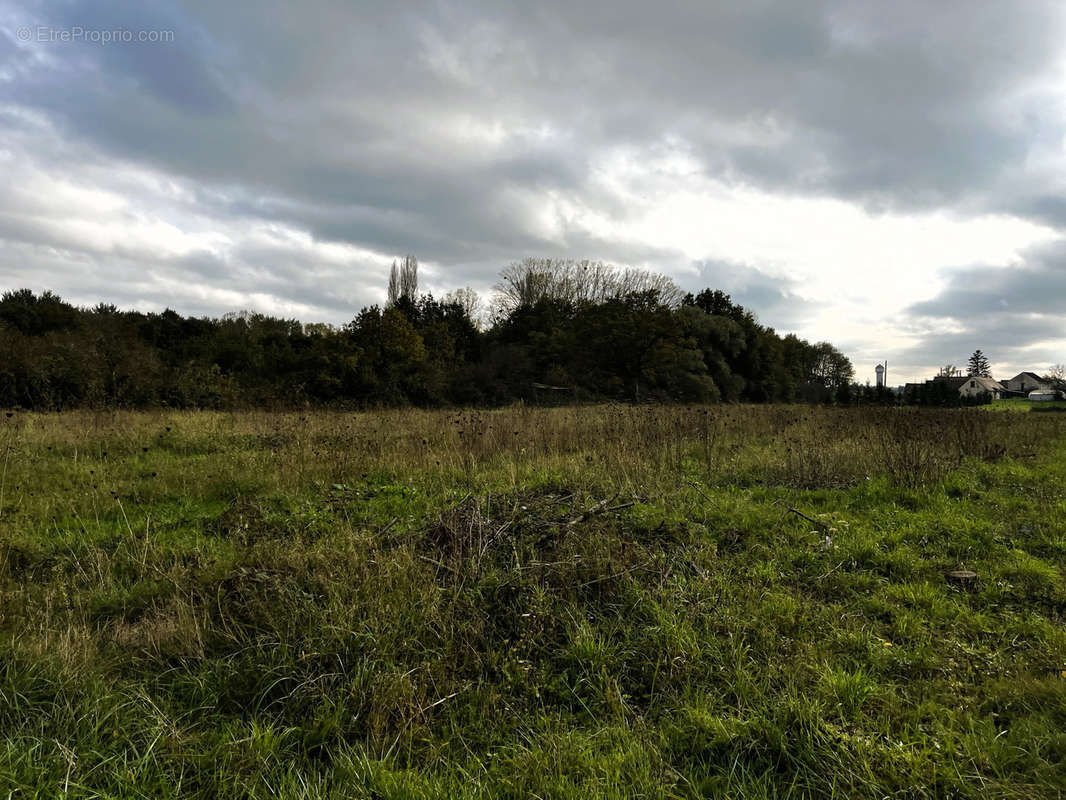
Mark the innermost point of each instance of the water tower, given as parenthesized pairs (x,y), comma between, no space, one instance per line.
(880,369)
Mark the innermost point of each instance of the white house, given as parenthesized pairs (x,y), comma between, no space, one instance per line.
(1025,382)
(974,386)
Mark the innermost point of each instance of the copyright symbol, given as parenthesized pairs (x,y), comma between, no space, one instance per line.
(24,34)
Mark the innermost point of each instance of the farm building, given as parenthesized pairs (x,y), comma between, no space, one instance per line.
(975,386)
(943,389)
(1026,382)
(954,381)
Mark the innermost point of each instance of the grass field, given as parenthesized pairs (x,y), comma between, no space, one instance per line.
(1024,404)
(588,602)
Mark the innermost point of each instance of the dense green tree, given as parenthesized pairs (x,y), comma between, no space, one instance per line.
(36,316)
(721,340)
(978,366)
(393,354)
(583,338)
(626,344)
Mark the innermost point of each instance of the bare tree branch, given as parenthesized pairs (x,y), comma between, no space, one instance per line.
(528,281)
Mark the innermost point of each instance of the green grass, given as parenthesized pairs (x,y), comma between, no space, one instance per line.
(595,602)
(1023,404)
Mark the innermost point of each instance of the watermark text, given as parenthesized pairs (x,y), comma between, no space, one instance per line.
(46,34)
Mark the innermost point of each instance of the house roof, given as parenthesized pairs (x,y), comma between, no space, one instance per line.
(1032,375)
(954,381)
(984,383)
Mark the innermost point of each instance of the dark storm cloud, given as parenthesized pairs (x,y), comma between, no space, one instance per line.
(774,299)
(1048,209)
(1036,287)
(901,106)
(1020,343)
(445,128)
(181,75)
(1014,313)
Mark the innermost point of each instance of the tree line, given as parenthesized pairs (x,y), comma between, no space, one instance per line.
(555,331)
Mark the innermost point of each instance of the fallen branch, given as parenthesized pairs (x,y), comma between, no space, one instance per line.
(541,564)
(439,564)
(442,700)
(602,507)
(699,489)
(811,520)
(614,575)
(834,569)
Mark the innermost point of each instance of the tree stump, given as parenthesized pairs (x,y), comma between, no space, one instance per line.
(963,578)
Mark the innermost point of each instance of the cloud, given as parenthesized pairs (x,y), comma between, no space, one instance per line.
(1036,286)
(776,300)
(1012,313)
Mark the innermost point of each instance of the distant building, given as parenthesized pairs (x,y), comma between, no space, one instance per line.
(954,381)
(975,387)
(1026,382)
(943,390)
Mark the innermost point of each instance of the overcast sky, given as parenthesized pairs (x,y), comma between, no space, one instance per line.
(887,176)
